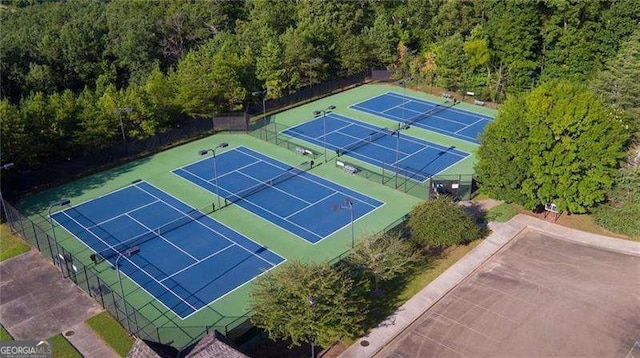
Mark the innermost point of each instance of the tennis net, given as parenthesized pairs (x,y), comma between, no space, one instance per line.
(288,174)
(437,109)
(122,247)
(366,140)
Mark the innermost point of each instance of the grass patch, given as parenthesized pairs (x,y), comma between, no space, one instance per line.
(437,265)
(4,335)
(502,213)
(62,348)
(401,289)
(11,245)
(112,333)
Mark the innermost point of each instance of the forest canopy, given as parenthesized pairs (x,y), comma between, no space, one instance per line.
(67,66)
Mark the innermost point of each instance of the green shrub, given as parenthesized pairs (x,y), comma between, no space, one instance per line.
(441,223)
(622,211)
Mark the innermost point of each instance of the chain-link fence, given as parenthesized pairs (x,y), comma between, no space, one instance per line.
(308,94)
(458,186)
(86,276)
(272,133)
(62,171)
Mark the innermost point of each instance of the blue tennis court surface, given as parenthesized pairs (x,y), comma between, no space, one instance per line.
(416,158)
(192,261)
(292,199)
(439,118)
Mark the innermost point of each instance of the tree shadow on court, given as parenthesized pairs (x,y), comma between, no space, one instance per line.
(86,181)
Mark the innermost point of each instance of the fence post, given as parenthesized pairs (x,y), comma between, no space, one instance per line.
(115,306)
(35,232)
(100,291)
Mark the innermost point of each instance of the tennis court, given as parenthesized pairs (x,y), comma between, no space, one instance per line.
(289,197)
(409,156)
(183,258)
(440,118)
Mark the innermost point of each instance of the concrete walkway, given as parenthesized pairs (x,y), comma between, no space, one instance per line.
(36,303)
(89,343)
(377,338)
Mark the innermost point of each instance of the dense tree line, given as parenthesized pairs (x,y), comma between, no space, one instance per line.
(66,66)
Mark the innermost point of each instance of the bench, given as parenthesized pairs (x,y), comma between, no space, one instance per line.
(478,103)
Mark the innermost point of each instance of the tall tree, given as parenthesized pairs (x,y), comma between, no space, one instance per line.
(383,256)
(133,36)
(307,303)
(208,80)
(568,150)
(619,83)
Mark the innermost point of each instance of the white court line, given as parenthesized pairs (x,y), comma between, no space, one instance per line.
(315,119)
(472,124)
(121,215)
(253,213)
(394,164)
(272,186)
(132,280)
(239,149)
(461,111)
(401,104)
(504,293)
(235,194)
(466,326)
(219,176)
(136,265)
(145,272)
(374,208)
(406,137)
(409,155)
(438,343)
(163,238)
(420,114)
(310,205)
(485,309)
(199,261)
(629,355)
(323,185)
(215,231)
(235,171)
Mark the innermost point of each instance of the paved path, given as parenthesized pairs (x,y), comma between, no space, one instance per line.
(377,338)
(37,303)
(89,343)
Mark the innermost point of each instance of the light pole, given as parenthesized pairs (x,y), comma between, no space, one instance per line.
(61,202)
(128,253)
(397,155)
(215,169)
(348,205)
(119,114)
(312,301)
(264,105)
(397,168)
(323,113)
(2,202)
